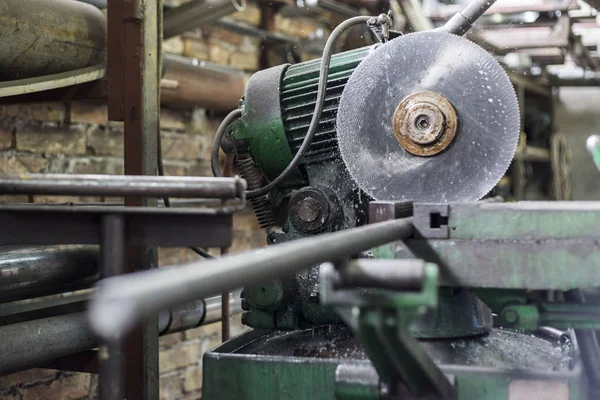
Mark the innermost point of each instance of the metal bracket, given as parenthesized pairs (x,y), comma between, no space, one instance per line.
(380,319)
(431,221)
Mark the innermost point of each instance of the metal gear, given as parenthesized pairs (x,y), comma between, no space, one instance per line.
(424,159)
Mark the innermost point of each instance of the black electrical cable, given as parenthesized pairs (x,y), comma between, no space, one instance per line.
(314,122)
(216,145)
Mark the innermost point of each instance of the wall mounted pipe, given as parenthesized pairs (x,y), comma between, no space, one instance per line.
(41,37)
(196,13)
(27,272)
(192,83)
(31,343)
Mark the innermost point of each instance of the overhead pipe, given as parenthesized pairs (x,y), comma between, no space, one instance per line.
(192,83)
(31,343)
(197,13)
(27,272)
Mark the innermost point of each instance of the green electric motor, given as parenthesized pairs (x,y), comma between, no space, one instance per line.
(275,117)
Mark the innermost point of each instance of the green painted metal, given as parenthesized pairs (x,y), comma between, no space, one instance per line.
(513,264)
(251,379)
(267,297)
(382,326)
(266,142)
(525,220)
(273,141)
(229,375)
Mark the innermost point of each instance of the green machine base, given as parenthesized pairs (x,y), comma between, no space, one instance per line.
(327,363)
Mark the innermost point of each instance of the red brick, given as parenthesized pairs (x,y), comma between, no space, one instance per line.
(89,113)
(181,146)
(195,48)
(20,163)
(173,45)
(68,387)
(173,120)
(51,140)
(6,135)
(247,61)
(218,53)
(26,378)
(179,357)
(192,380)
(170,386)
(205,331)
(170,340)
(251,15)
(105,141)
(51,112)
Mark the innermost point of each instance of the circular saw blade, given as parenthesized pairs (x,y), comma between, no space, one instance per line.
(462,72)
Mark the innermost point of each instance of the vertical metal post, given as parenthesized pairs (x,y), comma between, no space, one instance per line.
(111,363)
(225,307)
(140,115)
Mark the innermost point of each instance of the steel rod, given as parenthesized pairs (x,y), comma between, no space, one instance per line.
(27,272)
(124,185)
(462,21)
(31,343)
(386,274)
(120,302)
(195,14)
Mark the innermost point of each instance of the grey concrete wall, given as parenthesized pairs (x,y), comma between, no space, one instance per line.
(578,116)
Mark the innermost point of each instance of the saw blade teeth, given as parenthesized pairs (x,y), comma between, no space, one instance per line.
(461,72)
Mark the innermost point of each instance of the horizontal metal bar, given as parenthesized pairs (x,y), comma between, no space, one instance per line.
(524,220)
(195,14)
(29,343)
(121,302)
(535,264)
(122,185)
(385,274)
(34,342)
(44,225)
(27,272)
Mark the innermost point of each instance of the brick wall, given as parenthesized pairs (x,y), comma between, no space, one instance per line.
(77,138)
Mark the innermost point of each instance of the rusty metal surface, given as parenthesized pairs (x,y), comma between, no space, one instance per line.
(36,41)
(128,185)
(201,84)
(424,123)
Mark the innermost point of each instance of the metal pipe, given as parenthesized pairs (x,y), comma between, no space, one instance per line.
(121,302)
(214,308)
(462,21)
(193,83)
(122,185)
(41,37)
(27,272)
(196,13)
(30,343)
(385,274)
